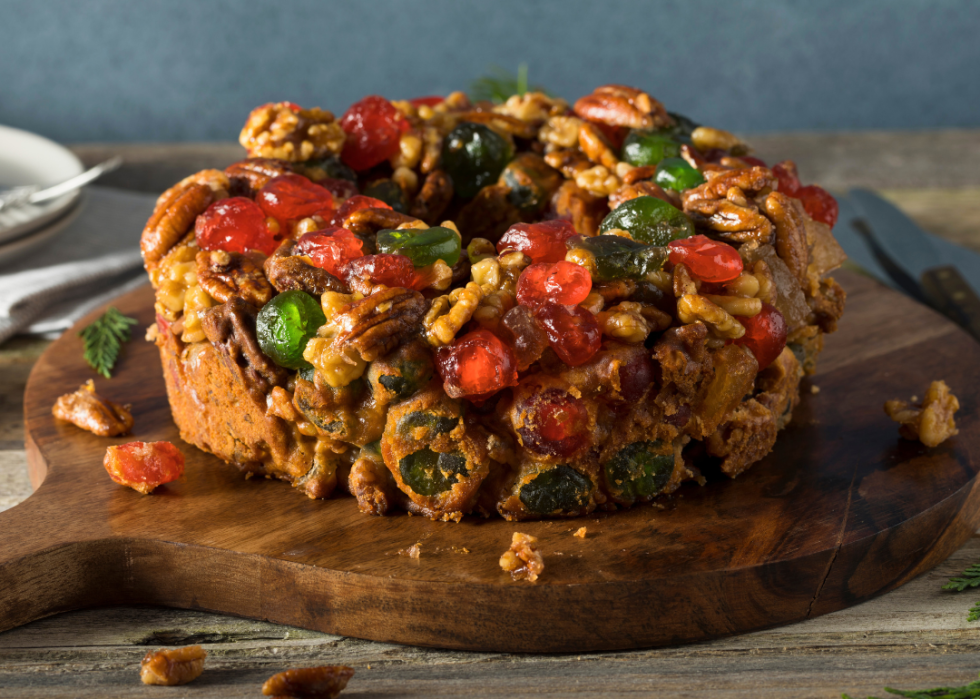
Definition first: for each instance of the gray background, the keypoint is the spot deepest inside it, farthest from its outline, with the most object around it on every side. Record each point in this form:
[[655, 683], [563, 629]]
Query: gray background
[[160, 70]]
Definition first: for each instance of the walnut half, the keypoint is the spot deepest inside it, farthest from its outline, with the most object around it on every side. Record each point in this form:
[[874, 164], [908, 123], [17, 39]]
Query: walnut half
[[932, 422]]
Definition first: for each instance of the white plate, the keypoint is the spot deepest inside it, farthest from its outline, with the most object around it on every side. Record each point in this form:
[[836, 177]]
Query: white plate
[[27, 158], [13, 250]]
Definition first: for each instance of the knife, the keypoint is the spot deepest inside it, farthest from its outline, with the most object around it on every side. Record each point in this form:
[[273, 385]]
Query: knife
[[927, 268]]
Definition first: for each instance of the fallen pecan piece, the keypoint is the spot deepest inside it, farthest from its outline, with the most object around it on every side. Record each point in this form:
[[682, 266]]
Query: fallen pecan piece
[[226, 274], [324, 682], [932, 422], [377, 324], [87, 409], [249, 176], [286, 271], [177, 209], [523, 560], [173, 667], [434, 197]]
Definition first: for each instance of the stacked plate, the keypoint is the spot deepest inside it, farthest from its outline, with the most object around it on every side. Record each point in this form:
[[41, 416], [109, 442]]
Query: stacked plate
[[27, 159]]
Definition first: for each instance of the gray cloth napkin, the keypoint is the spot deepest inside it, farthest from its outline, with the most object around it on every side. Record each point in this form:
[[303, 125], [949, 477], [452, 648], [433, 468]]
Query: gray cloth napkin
[[94, 259]]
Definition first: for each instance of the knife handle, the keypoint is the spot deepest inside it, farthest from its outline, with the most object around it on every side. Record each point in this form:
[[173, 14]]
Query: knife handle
[[949, 293]]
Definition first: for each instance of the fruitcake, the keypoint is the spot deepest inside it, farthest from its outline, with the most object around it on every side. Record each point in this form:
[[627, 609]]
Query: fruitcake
[[521, 309]]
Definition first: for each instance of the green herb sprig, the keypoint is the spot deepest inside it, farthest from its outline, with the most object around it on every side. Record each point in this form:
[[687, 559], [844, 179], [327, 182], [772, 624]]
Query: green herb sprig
[[103, 340], [502, 84], [967, 691], [969, 578]]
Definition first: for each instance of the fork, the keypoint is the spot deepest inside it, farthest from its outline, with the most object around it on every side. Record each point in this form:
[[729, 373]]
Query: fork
[[33, 194]]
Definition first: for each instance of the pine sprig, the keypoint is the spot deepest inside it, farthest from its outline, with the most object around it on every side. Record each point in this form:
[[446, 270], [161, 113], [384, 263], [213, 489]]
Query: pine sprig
[[103, 340], [974, 614], [970, 578], [968, 691], [501, 84]]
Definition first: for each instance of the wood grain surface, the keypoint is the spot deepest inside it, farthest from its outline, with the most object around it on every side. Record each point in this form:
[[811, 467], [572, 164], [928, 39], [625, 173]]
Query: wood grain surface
[[840, 511]]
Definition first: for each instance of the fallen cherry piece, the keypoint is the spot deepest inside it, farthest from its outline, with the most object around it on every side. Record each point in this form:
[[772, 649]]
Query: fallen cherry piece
[[144, 465]]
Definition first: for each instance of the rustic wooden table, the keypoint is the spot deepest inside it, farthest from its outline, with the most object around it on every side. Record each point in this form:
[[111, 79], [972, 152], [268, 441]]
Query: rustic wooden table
[[914, 637]]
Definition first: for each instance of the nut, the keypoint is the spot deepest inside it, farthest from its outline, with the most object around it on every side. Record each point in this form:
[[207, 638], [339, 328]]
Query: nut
[[450, 313], [624, 322], [619, 105], [177, 209], [791, 243], [596, 147], [532, 107], [932, 422], [598, 181], [223, 275], [280, 131], [375, 325], [324, 682], [173, 667], [560, 132], [88, 410], [522, 560], [692, 308], [737, 305], [705, 138]]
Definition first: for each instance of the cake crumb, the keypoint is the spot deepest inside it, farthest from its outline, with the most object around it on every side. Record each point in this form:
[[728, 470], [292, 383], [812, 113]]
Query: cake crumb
[[580, 532], [931, 422], [814, 389], [522, 560], [413, 551]]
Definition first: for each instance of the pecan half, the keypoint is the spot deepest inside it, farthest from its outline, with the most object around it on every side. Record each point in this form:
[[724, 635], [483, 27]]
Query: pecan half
[[177, 209], [568, 161], [595, 146], [87, 409], [644, 188], [286, 271], [231, 328], [377, 324], [502, 122], [620, 105], [791, 243], [281, 131], [249, 176], [226, 274], [434, 197], [173, 667], [731, 221], [367, 222], [751, 180], [309, 682]]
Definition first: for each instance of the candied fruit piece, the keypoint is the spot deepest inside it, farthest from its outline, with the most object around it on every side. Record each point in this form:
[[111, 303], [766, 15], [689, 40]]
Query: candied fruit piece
[[428, 101], [474, 155], [753, 161], [707, 260], [572, 331], [542, 242], [422, 247], [286, 324], [554, 423], [236, 224], [819, 204], [293, 197], [390, 270], [356, 203], [373, 127], [635, 376], [331, 249], [560, 282], [765, 335], [524, 333], [789, 181], [144, 465], [649, 220], [476, 366], [342, 190]]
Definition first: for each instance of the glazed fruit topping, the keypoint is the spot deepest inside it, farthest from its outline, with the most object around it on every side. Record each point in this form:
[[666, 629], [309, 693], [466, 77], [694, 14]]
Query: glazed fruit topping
[[234, 225], [286, 324], [390, 270], [422, 247], [373, 127], [331, 249], [542, 242], [429, 101], [474, 155], [356, 203], [765, 335], [819, 204], [144, 465], [677, 174], [555, 423], [649, 220], [573, 332], [559, 282], [476, 366], [293, 197], [706, 259]]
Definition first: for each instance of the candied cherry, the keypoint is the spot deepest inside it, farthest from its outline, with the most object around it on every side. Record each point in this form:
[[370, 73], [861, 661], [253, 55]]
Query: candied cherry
[[422, 247], [292, 197], [331, 249], [555, 423], [677, 174], [617, 257], [635, 376], [818, 204], [286, 324], [708, 260], [556, 282], [476, 366], [356, 203], [789, 181], [144, 465], [753, 161], [429, 101], [236, 224], [649, 147], [542, 242], [474, 155], [649, 220], [373, 127], [765, 334], [341, 189], [525, 335], [573, 332], [390, 270]]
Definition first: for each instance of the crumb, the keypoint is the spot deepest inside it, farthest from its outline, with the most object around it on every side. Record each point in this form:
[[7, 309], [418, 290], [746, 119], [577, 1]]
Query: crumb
[[931, 422], [814, 389], [413, 551], [459, 549], [580, 532], [152, 333], [522, 560]]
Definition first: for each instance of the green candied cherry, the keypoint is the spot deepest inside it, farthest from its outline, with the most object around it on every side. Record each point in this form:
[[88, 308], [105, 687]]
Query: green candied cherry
[[430, 473], [390, 193], [557, 490], [682, 127], [532, 182], [649, 147], [620, 258], [649, 220], [474, 155], [638, 471], [677, 174], [435, 424], [422, 247], [286, 324]]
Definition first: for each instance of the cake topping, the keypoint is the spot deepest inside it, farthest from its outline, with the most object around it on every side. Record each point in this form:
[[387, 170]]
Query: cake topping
[[144, 465]]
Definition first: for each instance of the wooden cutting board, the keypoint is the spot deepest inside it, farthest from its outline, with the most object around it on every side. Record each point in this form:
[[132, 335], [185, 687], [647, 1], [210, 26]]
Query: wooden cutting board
[[840, 511]]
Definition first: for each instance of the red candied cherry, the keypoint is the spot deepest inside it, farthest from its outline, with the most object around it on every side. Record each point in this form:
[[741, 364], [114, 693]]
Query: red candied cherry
[[144, 465], [572, 331], [293, 197], [331, 249], [555, 423], [236, 224], [429, 101], [789, 181], [708, 260], [342, 190], [542, 242], [373, 127], [476, 366], [818, 203], [753, 161], [390, 270], [356, 203], [765, 334], [559, 282], [634, 377]]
